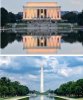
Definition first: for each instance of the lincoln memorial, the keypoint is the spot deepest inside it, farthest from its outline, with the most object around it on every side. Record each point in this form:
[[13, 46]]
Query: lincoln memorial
[[41, 10]]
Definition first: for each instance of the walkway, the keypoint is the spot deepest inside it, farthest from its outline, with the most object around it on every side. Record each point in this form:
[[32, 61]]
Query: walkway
[[66, 98], [17, 98]]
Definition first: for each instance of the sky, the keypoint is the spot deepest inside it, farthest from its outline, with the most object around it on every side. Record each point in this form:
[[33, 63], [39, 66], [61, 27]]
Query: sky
[[26, 70], [17, 5]]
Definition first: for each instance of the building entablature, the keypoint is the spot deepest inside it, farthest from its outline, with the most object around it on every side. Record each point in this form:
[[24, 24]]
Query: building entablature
[[39, 7]]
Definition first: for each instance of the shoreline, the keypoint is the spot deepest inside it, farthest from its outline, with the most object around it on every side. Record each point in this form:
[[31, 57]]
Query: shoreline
[[67, 98]]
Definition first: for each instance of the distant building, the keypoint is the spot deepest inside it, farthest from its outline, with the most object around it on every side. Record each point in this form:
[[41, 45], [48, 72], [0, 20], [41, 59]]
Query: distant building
[[41, 10], [19, 16], [20, 13]]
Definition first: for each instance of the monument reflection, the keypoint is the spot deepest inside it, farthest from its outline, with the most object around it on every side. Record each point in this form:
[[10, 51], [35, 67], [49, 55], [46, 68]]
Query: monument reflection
[[42, 44], [41, 97]]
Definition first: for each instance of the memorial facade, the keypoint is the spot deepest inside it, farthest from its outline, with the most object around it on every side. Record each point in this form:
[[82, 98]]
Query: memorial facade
[[41, 10]]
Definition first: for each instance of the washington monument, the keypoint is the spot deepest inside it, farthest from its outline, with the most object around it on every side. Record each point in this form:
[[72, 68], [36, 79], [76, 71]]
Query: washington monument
[[42, 80]]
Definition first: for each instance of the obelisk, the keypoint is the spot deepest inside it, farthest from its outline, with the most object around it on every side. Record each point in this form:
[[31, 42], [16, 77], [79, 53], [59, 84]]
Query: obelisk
[[42, 80]]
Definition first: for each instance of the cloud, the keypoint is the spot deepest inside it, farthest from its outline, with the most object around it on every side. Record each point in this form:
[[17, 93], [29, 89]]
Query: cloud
[[80, 59], [5, 60], [68, 72], [42, 61], [63, 69], [25, 79], [64, 72], [9, 62]]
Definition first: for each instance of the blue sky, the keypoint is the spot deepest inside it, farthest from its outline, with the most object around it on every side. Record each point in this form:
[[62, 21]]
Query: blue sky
[[17, 5], [57, 70]]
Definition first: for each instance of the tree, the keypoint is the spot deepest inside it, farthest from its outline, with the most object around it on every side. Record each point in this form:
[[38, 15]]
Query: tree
[[77, 91], [80, 84], [71, 89], [4, 16], [80, 18], [70, 16], [8, 88], [12, 91], [12, 17], [0, 90], [4, 91]]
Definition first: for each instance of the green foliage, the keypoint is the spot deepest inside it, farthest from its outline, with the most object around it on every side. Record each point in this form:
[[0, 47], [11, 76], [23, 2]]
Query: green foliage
[[8, 88], [12, 17], [71, 89]]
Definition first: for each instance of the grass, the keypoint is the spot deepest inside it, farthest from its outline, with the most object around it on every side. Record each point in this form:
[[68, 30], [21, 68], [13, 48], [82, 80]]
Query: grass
[[14, 98], [79, 99], [57, 98], [17, 98], [1, 99]]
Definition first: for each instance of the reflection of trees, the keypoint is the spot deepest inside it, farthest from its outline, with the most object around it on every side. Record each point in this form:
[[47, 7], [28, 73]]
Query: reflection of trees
[[18, 37], [4, 40], [7, 38], [73, 37]]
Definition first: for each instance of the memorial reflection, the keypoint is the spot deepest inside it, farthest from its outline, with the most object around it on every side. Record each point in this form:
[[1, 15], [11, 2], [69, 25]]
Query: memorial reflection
[[42, 44]]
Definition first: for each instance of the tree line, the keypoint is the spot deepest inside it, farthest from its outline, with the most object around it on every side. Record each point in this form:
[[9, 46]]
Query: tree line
[[71, 89], [9, 88], [72, 17], [9, 17]]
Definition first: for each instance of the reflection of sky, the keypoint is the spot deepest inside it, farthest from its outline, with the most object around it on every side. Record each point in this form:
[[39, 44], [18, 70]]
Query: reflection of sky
[[68, 48], [57, 70], [14, 48], [41, 97], [16, 5]]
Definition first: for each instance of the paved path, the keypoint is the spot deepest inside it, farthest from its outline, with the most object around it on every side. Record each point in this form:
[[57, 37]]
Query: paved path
[[66, 98], [17, 98]]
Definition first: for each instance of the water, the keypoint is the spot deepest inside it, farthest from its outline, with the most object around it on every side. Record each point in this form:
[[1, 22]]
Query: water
[[42, 98], [41, 42]]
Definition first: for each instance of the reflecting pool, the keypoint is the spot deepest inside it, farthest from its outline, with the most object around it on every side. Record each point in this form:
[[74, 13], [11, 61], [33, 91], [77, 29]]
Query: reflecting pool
[[41, 42], [42, 98]]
